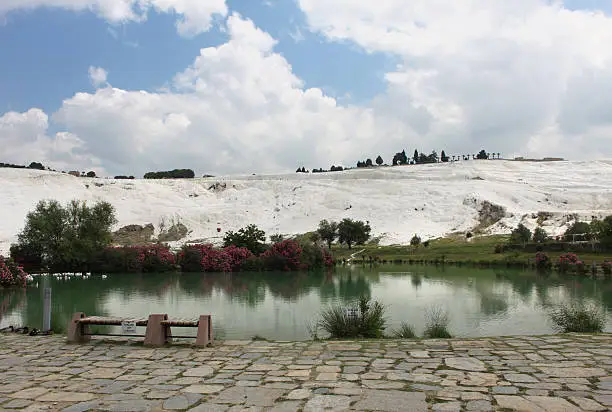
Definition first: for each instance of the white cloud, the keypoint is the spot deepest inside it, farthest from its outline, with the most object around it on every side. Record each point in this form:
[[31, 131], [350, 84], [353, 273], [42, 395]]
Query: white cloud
[[524, 77], [195, 16], [487, 72], [98, 76], [238, 107], [24, 139]]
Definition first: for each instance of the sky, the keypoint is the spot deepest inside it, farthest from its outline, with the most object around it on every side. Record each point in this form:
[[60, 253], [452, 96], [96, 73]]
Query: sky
[[266, 86]]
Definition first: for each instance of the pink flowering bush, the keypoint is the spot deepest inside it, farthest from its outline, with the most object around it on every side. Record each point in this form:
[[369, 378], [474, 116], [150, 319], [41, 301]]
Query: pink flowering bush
[[285, 255], [328, 259], [229, 259], [607, 267], [12, 275], [543, 262], [569, 262], [190, 257]]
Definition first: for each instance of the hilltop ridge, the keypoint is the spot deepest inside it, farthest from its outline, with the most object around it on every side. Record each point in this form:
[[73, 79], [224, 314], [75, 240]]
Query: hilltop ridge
[[431, 200]]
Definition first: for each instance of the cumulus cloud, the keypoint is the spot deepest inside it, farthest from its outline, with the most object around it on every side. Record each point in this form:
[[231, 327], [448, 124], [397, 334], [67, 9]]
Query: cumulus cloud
[[24, 138], [97, 76], [519, 76], [238, 107], [195, 16], [522, 78]]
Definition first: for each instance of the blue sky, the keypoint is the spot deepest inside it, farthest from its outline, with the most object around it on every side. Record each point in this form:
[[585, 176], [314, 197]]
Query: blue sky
[[46, 54], [376, 77]]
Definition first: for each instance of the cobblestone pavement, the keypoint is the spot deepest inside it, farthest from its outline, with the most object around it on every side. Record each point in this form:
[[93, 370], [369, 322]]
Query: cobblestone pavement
[[546, 373]]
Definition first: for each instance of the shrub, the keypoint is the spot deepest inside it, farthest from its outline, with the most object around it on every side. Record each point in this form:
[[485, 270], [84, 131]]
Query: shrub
[[190, 257], [405, 331], [250, 237], [436, 326], [578, 317], [569, 262], [543, 262], [285, 255], [521, 234], [606, 266], [498, 248], [276, 238], [171, 174], [134, 259], [540, 235], [365, 319], [229, 259], [11, 274], [578, 230]]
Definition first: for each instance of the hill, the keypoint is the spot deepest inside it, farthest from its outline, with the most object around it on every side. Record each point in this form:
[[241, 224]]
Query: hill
[[430, 200]]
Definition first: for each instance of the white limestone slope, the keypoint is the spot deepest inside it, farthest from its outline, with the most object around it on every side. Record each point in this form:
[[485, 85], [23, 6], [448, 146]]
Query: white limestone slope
[[429, 200]]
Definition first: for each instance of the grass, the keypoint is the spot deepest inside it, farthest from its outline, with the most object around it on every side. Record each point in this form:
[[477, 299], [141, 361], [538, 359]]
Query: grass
[[452, 249], [578, 317], [405, 331], [436, 326], [365, 319]]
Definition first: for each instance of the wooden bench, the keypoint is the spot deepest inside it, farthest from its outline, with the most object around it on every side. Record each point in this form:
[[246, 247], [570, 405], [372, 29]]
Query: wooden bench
[[158, 332]]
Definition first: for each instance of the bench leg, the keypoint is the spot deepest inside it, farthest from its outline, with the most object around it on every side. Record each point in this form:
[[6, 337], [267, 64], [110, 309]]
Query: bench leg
[[157, 334], [76, 330], [205, 335]]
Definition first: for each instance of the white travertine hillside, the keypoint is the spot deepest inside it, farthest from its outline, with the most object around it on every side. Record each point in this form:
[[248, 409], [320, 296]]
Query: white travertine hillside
[[430, 200]]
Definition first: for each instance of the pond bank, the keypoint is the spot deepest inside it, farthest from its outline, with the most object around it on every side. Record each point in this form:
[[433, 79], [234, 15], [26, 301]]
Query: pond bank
[[536, 373]]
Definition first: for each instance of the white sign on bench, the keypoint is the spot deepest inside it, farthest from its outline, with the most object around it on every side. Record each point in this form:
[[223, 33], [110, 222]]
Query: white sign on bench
[[128, 326]]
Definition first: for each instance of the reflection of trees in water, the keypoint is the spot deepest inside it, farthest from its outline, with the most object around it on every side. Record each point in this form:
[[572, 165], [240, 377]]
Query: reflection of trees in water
[[541, 287], [493, 287], [250, 288], [493, 304], [346, 287], [11, 301]]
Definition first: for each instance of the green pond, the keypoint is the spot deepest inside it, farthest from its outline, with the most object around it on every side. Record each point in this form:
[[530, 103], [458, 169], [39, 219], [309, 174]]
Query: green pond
[[480, 302]]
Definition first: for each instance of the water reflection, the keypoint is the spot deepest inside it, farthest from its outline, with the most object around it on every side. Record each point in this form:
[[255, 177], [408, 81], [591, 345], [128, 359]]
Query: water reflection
[[278, 305]]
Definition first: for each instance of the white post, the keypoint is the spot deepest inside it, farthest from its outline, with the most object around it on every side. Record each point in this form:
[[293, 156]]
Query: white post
[[47, 310]]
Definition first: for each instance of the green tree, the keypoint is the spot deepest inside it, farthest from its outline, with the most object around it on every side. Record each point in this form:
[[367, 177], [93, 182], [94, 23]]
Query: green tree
[[36, 165], [368, 163], [443, 157], [400, 158], [277, 238], [328, 232], [521, 234], [250, 237], [66, 238], [415, 156], [379, 160], [353, 232], [482, 155], [578, 228], [540, 235], [91, 173], [415, 241], [605, 233], [171, 174]]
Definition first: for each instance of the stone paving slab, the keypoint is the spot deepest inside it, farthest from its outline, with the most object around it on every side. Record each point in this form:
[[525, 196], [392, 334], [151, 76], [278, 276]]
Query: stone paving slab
[[562, 373]]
